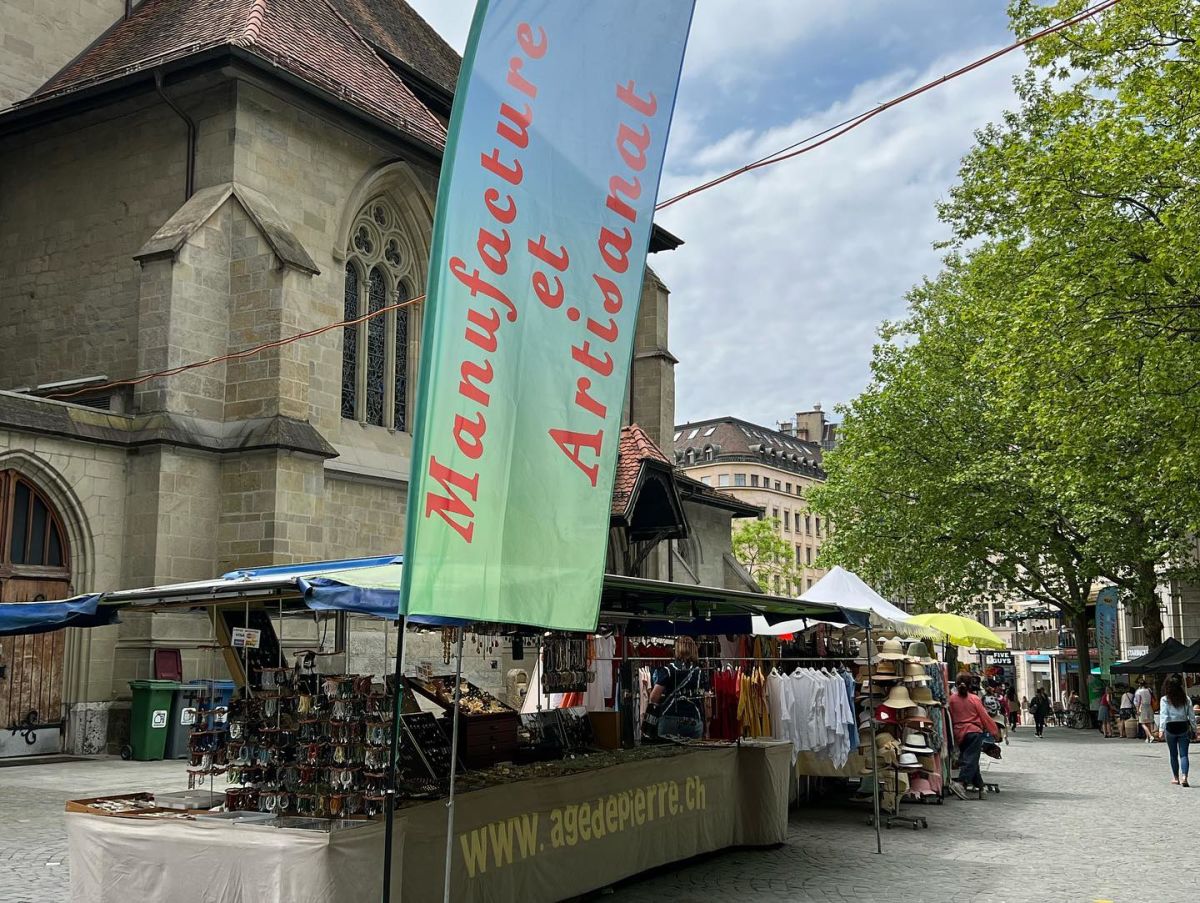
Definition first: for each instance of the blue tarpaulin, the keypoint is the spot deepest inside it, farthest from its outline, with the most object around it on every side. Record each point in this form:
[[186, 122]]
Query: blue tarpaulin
[[42, 617]]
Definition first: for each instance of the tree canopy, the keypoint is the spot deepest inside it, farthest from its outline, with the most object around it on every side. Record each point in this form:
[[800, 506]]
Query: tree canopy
[[1032, 424]]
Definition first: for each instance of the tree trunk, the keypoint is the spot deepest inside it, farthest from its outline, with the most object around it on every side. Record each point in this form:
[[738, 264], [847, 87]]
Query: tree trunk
[[1145, 604], [1079, 622]]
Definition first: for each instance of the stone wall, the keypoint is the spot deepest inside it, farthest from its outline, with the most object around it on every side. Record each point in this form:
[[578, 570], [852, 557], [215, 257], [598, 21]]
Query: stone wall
[[37, 39], [363, 518], [77, 200]]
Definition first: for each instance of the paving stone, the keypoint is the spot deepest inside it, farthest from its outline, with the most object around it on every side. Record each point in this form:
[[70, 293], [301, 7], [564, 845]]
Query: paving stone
[[1046, 838]]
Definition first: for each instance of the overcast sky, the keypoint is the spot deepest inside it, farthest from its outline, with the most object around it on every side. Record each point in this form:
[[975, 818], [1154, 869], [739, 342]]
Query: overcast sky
[[787, 272]]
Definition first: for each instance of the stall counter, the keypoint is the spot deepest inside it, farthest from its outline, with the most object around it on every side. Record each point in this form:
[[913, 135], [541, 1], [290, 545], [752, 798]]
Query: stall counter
[[536, 840]]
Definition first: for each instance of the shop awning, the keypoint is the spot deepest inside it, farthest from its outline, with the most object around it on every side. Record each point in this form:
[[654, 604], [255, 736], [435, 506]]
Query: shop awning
[[371, 586], [41, 617]]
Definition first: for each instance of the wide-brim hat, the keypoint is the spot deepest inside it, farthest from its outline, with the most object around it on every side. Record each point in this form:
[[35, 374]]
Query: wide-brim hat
[[898, 698], [922, 695], [919, 718], [916, 742], [886, 666], [887, 714], [891, 650], [908, 760], [919, 652], [919, 785], [927, 761], [914, 672]]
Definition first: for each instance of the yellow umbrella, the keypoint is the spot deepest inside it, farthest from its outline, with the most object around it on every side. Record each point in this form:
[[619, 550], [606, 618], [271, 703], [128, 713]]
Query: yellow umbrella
[[960, 631]]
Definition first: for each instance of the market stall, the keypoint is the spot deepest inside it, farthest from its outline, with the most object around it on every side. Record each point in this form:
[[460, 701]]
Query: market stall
[[289, 779], [542, 838]]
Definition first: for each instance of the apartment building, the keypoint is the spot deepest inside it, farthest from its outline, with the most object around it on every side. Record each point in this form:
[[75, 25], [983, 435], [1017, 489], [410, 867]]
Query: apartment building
[[773, 469]]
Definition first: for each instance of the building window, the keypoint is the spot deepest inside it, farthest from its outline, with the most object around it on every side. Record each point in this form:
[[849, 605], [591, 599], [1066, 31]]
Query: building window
[[818, 524], [787, 521], [709, 454], [799, 554], [35, 534], [375, 353], [753, 479], [707, 481], [787, 487], [808, 554], [775, 513], [723, 480], [777, 486], [739, 479], [807, 525]]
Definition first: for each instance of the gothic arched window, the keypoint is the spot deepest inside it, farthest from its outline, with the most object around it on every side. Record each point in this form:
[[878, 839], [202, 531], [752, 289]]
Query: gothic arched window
[[375, 353]]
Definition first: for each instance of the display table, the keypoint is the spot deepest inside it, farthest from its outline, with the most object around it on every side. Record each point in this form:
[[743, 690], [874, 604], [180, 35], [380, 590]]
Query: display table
[[535, 840]]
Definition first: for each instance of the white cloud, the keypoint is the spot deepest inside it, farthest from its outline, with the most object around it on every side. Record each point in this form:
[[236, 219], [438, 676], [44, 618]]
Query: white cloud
[[734, 41], [449, 18], [787, 272]]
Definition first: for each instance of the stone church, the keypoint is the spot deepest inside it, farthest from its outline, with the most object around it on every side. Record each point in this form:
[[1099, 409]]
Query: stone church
[[185, 179]]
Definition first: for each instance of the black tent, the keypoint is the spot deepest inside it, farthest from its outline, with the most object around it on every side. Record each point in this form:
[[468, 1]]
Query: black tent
[[1186, 659], [1147, 663]]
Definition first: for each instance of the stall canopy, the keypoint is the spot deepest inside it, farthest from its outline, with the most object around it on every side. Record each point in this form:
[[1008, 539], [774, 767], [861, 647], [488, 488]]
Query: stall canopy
[[849, 593], [1183, 658], [961, 631], [1147, 663], [371, 586], [40, 617]]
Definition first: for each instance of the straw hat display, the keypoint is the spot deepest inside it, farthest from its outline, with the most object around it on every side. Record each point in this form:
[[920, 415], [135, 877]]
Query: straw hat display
[[922, 695], [919, 717], [918, 785], [914, 673], [909, 760], [891, 650], [919, 652], [915, 742], [898, 698], [887, 714]]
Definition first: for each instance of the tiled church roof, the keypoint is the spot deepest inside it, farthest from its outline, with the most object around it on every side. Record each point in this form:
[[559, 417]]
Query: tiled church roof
[[635, 447], [313, 40]]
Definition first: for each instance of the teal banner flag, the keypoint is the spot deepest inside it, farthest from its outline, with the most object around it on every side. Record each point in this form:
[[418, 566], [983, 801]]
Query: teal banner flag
[[543, 219], [1106, 629]]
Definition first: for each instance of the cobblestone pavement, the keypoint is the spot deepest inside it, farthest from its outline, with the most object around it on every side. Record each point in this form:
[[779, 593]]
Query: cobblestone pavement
[[1049, 836], [33, 839], [1066, 804]]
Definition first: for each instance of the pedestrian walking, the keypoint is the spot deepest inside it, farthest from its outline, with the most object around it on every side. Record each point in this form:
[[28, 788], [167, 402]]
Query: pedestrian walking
[[1039, 708], [1014, 708], [1143, 701], [971, 723], [1102, 714], [1177, 723]]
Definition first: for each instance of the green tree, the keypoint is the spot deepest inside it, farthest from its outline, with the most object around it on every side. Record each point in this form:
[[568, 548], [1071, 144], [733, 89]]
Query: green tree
[[1081, 212], [932, 497], [766, 555]]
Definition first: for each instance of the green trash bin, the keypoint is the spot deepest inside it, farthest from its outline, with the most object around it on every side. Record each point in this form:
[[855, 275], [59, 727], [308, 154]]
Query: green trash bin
[[149, 717]]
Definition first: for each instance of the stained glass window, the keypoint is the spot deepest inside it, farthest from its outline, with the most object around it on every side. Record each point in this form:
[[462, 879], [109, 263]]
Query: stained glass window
[[350, 345], [376, 347], [400, 400], [375, 353]]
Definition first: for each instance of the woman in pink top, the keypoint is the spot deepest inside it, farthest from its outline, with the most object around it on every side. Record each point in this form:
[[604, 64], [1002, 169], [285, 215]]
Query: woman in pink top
[[971, 721]]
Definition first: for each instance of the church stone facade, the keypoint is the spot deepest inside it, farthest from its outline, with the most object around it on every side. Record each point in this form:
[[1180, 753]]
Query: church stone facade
[[181, 180]]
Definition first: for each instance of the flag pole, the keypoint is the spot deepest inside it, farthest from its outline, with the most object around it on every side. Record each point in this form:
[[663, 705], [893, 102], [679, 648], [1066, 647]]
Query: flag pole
[[453, 770], [874, 745], [390, 797]]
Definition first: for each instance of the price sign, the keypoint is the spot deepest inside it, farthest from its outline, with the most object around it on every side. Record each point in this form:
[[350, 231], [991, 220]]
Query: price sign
[[246, 638]]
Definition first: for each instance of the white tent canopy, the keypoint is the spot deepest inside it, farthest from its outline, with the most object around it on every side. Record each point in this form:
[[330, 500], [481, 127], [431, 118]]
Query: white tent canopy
[[846, 589]]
